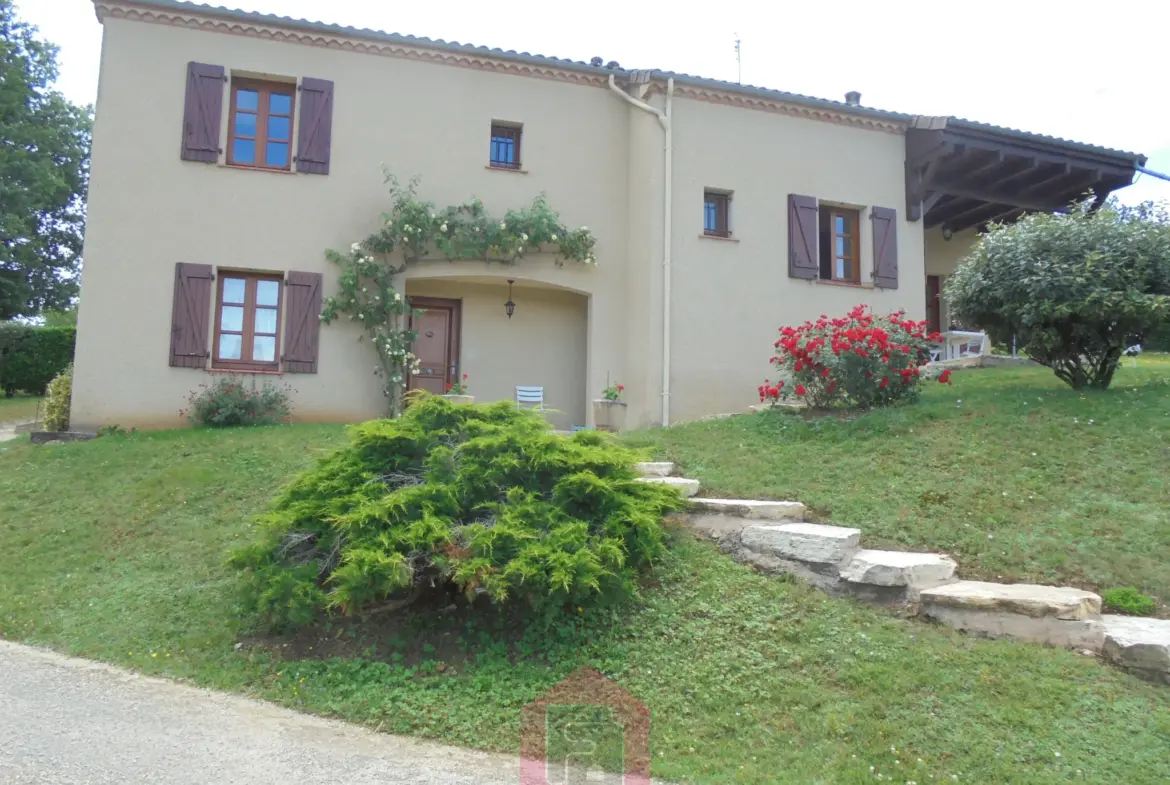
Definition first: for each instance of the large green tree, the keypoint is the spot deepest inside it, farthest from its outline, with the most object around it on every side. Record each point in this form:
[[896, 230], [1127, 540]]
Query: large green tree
[[44, 171]]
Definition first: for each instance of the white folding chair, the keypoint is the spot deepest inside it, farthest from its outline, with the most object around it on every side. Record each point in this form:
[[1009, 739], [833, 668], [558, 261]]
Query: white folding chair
[[530, 396]]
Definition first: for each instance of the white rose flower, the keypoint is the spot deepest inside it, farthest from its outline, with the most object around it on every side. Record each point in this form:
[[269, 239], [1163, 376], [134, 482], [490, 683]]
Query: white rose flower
[[584, 228], [397, 297], [554, 238], [361, 316], [503, 225], [443, 228], [355, 247], [524, 237], [406, 228], [364, 289], [521, 249]]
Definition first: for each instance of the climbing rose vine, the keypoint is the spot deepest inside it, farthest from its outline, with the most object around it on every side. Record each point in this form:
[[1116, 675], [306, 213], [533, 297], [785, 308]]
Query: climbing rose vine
[[419, 231], [858, 360]]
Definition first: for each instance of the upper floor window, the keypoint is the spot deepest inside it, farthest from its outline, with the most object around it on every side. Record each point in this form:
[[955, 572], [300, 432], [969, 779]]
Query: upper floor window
[[260, 132], [247, 321], [840, 239], [716, 206], [505, 146]]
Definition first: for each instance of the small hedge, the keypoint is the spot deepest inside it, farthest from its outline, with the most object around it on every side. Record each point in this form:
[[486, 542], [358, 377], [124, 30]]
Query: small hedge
[[1128, 600], [58, 398], [485, 499], [31, 357]]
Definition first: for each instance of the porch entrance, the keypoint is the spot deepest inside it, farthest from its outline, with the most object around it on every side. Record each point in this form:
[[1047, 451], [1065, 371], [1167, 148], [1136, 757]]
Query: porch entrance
[[933, 303], [437, 345]]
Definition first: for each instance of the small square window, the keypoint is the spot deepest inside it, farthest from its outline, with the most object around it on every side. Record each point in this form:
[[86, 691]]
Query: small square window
[[260, 126], [716, 206], [840, 240], [505, 146]]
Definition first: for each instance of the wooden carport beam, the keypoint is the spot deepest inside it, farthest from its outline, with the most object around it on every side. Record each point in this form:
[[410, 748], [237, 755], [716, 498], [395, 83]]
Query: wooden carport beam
[[998, 197]]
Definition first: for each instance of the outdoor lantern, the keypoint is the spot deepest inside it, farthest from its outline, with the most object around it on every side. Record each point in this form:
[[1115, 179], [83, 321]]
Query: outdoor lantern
[[510, 306]]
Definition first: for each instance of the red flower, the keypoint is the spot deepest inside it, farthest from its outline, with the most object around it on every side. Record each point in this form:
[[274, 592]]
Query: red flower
[[799, 365], [449, 386], [800, 389], [620, 386], [464, 377], [825, 372], [832, 385], [945, 378], [884, 383]]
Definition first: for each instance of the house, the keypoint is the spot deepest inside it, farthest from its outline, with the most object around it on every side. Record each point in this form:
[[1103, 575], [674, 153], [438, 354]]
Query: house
[[232, 149]]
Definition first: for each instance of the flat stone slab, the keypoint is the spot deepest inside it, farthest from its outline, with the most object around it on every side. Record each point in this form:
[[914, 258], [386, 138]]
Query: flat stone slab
[[806, 542], [1072, 633], [1058, 602], [654, 468], [758, 510], [899, 568], [1139, 643], [681, 484]]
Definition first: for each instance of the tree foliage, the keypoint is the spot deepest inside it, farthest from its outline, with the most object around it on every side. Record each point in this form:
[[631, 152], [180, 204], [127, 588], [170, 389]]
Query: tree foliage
[[44, 172], [1072, 289], [31, 356], [483, 498], [415, 231]]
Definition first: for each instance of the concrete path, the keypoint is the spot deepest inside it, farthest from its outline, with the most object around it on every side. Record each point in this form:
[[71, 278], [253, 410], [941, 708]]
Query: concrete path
[[65, 721]]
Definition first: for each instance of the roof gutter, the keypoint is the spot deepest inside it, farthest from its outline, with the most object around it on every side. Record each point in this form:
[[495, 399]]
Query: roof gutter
[[664, 119]]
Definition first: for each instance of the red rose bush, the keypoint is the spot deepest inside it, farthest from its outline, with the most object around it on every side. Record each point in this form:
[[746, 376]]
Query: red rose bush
[[859, 360]]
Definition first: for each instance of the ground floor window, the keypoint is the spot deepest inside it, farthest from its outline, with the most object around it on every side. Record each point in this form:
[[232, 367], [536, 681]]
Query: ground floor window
[[840, 237], [247, 321]]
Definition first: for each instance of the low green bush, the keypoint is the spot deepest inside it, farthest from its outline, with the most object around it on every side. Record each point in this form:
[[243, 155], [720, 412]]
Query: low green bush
[[31, 356], [230, 401], [58, 398], [1129, 601], [482, 498]]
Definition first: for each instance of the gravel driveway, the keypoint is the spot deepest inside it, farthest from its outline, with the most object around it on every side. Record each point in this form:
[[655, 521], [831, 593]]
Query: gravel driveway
[[65, 721]]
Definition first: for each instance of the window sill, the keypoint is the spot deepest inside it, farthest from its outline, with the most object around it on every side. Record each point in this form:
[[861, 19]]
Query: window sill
[[246, 371], [240, 168], [505, 169], [727, 239], [849, 284]]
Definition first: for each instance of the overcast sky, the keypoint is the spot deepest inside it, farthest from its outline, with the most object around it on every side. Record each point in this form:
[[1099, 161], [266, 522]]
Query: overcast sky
[[1095, 75]]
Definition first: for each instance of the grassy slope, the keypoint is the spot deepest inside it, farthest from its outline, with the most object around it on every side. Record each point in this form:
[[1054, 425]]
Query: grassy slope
[[114, 550], [1025, 479], [18, 408]]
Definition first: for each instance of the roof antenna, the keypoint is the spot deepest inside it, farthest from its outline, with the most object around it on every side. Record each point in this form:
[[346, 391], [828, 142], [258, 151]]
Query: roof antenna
[[738, 61]]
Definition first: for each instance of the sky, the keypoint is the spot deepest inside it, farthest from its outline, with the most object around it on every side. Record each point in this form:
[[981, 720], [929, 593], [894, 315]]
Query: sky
[[1096, 75]]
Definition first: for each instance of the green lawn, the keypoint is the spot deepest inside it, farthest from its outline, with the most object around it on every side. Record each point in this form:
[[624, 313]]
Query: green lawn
[[115, 550], [1014, 474], [19, 408]]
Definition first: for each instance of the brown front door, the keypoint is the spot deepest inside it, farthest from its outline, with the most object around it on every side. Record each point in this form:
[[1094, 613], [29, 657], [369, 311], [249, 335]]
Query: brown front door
[[933, 305], [437, 345]]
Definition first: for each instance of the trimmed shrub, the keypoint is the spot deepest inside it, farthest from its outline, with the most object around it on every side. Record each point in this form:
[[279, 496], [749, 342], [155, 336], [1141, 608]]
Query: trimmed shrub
[[857, 360], [58, 398], [1070, 288], [230, 401], [31, 356], [1129, 601], [484, 499]]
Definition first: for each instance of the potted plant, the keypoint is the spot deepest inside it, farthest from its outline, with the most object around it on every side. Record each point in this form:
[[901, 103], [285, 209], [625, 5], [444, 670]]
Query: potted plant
[[457, 392], [609, 411]]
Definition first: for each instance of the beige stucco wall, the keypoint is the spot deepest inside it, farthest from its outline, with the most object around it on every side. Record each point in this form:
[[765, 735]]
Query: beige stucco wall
[[149, 210], [598, 160], [943, 256], [542, 345], [730, 297]]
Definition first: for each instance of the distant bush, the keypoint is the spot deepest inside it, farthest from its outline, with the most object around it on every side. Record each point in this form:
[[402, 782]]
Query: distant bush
[[1129, 601], [230, 401], [58, 399], [857, 360], [31, 356], [484, 499], [1070, 289]]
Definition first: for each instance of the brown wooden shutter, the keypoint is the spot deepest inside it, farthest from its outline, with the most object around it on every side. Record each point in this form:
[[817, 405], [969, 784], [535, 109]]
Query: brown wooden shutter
[[316, 132], [802, 237], [202, 110], [302, 321], [190, 315], [885, 247]]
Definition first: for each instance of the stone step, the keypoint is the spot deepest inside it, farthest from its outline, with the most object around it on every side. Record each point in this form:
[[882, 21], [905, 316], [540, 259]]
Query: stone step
[[756, 510], [681, 484], [915, 571], [1055, 615], [654, 468], [1142, 645], [810, 542]]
